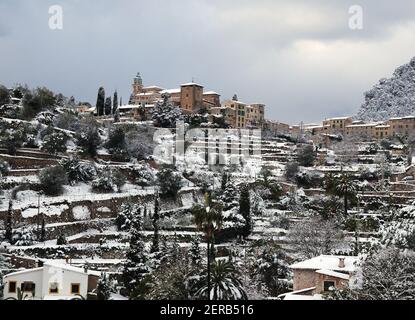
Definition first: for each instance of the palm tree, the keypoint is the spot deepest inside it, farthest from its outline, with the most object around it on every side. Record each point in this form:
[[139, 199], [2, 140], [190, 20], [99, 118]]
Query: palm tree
[[225, 284], [345, 187], [20, 295], [208, 219]]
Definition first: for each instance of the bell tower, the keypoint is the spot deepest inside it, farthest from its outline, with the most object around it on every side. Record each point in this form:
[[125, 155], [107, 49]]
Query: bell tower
[[137, 84]]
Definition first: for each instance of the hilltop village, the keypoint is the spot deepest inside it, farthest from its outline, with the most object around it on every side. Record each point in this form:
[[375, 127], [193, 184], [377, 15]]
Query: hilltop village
[[260, 209]]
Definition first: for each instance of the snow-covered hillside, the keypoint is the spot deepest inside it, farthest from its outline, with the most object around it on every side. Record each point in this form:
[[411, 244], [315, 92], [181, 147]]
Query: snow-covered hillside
[[394, 97]]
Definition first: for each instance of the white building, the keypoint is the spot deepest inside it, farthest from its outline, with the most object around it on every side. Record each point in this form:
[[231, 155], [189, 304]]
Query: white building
[[52, 281]]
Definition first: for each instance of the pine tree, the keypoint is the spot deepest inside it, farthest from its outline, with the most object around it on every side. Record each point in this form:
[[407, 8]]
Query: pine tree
[[103, 288], [115, 102], [9, 223], [108, 106], [156, 217], [235, 97], [136, 266], [61, 241], [101, 101], [195, 251], [245, 211], [117, 116], [225, 179]]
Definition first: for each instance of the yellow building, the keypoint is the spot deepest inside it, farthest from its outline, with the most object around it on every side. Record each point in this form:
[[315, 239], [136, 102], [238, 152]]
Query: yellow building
[[336, 125], [237, 111], [255, 114], [402, 126]]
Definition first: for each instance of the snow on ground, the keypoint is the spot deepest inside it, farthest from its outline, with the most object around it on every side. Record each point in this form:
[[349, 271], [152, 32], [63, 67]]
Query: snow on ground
[[52, 210], [29, 199], [81, 213]]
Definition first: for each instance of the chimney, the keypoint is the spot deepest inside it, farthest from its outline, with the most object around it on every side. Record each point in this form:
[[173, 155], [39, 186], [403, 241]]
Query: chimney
[[342, 263]]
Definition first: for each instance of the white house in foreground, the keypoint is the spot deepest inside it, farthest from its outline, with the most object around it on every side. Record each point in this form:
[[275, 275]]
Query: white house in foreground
[[52, 281], [316, 276]]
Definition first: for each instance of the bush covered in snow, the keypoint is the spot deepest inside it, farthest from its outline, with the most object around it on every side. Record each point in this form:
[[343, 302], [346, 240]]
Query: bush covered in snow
[[52, 180], [88, 138], [143, 175], [11, 139], [108, 181], [46, 117], [126, 215], [55, 142], [4, 95], [35, 101], [400, 231], [23, 237], [169, 181], [4, 167], [78, 171], [165, 114]]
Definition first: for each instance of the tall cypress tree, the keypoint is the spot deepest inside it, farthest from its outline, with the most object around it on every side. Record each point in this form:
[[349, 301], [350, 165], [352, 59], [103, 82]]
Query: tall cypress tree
[[101, 101], [115, 102], [245, 211], [9, 223], [156, 217], [117, 116], [108, 106]]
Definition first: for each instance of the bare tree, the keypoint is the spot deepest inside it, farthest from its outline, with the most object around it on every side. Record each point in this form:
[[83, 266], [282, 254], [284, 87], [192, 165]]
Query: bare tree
[[385, 275], [313, 237]]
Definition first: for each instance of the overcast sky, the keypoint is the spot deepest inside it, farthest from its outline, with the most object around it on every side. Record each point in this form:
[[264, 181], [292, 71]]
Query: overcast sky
[[299, 57]]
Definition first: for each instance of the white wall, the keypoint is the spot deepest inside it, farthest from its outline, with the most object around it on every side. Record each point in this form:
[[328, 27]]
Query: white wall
[[32, 276], [43, 277], [65, 278]]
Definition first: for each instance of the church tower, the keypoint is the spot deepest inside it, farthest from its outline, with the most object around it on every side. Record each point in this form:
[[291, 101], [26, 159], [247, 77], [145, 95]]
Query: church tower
[[138, 84]]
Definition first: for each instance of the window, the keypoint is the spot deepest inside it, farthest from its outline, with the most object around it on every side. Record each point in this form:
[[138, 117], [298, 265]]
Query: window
[[28, 287], [75, 288], [53, 288], [12, 287], [328, 285]]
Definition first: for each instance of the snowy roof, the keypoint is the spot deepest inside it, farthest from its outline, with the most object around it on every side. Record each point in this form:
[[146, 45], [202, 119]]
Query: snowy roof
[[23, 272], [401, 118], [234, 102], [60, 265], [327, 263], [211, 93], [363, 125], [338, 118], [296, 297], [128, 106], [191, 84], [172, 91], [153, 87], [334, 274], [145, 94]]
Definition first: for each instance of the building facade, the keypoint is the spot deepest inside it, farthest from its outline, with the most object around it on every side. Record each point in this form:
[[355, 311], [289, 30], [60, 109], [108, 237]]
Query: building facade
[[52, 281]]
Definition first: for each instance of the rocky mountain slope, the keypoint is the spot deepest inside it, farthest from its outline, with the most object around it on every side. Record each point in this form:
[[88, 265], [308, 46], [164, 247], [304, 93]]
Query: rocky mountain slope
[[394, 97]]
